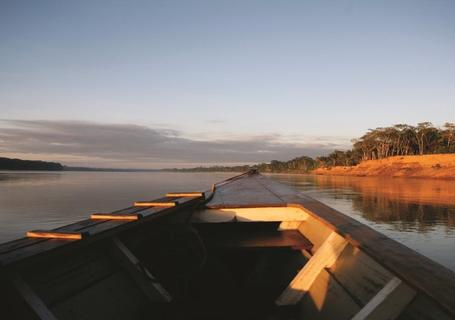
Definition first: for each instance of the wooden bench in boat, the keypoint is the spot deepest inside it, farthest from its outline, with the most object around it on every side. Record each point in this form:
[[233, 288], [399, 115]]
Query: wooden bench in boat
[[105, 267], [256, 240]]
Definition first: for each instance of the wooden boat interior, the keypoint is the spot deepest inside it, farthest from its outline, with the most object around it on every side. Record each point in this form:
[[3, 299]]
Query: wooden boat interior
[[249, 248]]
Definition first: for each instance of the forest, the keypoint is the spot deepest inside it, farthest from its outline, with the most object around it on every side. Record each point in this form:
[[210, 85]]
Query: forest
[[379, 143], [397, 140], [18, 164]]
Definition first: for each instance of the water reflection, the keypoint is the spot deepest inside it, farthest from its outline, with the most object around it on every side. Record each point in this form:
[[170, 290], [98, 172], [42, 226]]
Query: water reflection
[[28, 176], [43, 200], [419, 213]]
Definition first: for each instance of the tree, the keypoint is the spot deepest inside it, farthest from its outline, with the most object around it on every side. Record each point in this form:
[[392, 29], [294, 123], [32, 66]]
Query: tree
[[420, 133], [449, 133]]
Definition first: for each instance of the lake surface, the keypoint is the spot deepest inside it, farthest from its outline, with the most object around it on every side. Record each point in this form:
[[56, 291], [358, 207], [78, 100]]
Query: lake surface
[[418, 213]]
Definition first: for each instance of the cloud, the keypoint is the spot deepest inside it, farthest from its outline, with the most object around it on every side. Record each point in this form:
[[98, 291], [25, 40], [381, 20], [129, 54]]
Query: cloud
[[129, 145], [215, 121]]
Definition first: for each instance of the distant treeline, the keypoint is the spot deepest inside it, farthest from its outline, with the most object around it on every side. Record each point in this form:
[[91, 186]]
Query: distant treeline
[[379, 143], [17, 164], [398, 140], [89, 169], [298, 165]]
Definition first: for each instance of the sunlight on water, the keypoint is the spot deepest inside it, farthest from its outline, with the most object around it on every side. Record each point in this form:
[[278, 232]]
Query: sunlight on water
[[416, 212]]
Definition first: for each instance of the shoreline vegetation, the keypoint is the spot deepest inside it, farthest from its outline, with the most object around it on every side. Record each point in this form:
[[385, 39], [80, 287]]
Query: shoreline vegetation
[[398, 151], [401, 150], [18, 164]]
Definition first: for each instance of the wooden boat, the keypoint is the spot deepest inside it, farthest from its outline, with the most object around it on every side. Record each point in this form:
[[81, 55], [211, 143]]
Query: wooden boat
[[250, 248]]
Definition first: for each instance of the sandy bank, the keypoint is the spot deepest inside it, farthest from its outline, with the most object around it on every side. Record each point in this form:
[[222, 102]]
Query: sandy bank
[[439, 166]]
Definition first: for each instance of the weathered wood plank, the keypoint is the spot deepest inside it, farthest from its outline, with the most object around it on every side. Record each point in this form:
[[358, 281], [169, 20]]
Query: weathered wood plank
[[155, 204], [244, 193], [29, 296], [62, 277], [115, 298], [271, 239], [289, 225], [326, 299], [324, 257], [388, 303], [185, 194], [262, 214], [107, 216], [46, 234], [359, 274], [314, 230], [143, 278], [423, 308], [213, 216]]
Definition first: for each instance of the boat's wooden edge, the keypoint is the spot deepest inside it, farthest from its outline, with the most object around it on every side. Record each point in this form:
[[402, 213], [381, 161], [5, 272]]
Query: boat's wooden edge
[[234, 178], [418, 271], [18, 250]]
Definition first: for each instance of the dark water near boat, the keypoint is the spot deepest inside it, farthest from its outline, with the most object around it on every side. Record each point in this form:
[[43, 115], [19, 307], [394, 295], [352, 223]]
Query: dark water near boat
[[417, 213]]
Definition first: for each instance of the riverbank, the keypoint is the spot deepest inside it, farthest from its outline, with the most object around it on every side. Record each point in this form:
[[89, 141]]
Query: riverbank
[[438, 166]]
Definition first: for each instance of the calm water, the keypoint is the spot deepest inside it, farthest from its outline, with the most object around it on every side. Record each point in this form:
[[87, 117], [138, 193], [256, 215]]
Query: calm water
[[417, 213]]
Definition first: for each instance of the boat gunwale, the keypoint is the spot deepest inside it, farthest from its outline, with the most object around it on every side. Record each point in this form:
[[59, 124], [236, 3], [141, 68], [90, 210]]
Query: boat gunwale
[[119, 226]]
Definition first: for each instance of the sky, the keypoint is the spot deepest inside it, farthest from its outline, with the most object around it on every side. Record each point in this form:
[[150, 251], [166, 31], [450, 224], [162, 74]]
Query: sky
[[154, 84]]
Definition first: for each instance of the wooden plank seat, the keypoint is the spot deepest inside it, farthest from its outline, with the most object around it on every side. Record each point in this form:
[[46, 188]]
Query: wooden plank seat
[[255, 240], [185, 194], [155, 204], [49, 234], [110, 216]]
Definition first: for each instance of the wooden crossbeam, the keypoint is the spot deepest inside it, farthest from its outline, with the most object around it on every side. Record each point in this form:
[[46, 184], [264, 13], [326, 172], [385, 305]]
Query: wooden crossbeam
[[256, 240], [57, 234], [155, 204], [324, 257], [185, 194], [110, 216], [35, 303], [143, 278], [388, 303], [265, 214]]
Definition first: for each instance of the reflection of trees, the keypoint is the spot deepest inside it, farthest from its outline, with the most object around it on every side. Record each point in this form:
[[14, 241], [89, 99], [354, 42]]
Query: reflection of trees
[[406, 216], [405, 204], [18, 177]]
